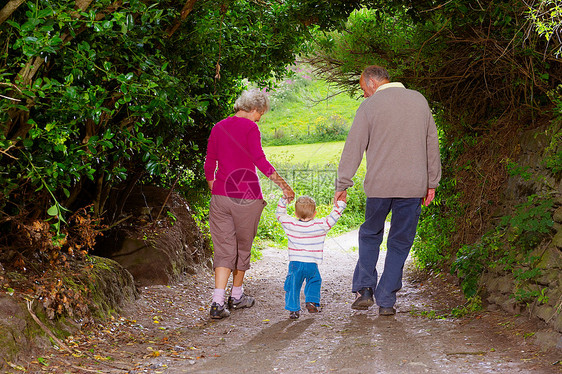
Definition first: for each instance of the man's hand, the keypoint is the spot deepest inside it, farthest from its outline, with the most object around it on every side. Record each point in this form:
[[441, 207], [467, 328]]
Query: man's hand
[[210, 183], [429, 196], [340, 196]]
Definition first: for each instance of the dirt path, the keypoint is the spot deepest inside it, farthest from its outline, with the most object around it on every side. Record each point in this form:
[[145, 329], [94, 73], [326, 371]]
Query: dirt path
[[169, 331]]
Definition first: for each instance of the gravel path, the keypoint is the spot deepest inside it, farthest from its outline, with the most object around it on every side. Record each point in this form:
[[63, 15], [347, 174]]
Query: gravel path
[[168, 330]]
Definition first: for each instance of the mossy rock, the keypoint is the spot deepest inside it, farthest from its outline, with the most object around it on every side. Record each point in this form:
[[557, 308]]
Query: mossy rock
[[22, 338], [111, 287]]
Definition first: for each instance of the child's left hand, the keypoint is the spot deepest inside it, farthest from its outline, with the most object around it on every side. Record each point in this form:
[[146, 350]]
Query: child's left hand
[[340, 196]]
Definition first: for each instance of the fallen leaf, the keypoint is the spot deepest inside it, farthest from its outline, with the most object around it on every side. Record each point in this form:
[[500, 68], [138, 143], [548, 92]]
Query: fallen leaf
[[17, 367]]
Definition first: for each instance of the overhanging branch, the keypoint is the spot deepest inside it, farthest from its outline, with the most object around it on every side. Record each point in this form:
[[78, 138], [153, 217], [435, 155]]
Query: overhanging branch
[[8, 9]]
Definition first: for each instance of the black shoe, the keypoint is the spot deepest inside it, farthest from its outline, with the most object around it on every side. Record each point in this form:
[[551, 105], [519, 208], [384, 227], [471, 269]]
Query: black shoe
[[364, 299], [294, 315], [219, 311], [244, 301], [387, 311], [313, 307]]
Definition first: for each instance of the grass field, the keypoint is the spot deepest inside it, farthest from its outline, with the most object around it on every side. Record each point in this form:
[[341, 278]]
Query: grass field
[[312, 154], [304, 107]]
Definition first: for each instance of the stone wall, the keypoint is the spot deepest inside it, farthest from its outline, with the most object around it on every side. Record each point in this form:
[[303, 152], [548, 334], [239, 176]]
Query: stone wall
[[499, 285]]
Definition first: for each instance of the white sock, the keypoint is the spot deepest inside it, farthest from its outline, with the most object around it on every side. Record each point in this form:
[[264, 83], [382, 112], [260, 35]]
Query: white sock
[[218, 296], [237, 292]]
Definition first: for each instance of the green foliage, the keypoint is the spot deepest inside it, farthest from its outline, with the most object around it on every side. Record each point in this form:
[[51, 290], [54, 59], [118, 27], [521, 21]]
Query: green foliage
[[98, 99], [372, 37], [546, 16], [459, 54], [436, 225], [473, 304], [509, 246], [531, 221], [473, 259]]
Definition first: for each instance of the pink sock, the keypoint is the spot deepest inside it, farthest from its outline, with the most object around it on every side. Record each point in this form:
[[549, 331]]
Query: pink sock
[[218, 296], [237, 292]]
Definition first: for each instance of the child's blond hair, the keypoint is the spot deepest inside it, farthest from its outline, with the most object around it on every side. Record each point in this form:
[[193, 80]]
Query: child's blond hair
[[305, 207]]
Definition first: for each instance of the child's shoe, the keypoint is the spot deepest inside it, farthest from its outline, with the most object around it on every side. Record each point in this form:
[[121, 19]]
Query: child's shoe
[[313, 307], [294, 315]]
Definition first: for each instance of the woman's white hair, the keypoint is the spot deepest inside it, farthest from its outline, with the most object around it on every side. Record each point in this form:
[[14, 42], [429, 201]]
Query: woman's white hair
[[252, 99]]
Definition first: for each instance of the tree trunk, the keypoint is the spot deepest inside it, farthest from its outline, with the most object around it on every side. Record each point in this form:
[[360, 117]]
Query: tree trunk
[[8, 9], [187, 8], [83, 4]]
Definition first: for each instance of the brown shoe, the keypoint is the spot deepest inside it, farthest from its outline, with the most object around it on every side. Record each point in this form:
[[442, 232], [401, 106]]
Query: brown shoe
[[387, 311], [364, 299], [313, 308]]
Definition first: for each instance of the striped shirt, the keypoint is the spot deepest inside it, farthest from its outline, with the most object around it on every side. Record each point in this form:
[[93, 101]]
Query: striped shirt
[[306, 238]]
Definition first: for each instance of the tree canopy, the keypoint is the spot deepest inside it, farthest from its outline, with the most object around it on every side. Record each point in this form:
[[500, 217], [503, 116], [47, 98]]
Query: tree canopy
[[477, 60]]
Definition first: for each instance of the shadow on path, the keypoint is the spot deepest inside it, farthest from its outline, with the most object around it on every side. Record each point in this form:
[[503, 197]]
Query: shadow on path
[[262, 350]]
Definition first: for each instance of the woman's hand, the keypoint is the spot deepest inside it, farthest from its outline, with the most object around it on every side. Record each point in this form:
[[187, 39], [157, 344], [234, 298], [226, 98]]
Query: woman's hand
[[288, 194]]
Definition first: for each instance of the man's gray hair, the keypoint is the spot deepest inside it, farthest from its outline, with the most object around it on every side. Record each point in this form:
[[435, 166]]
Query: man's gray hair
[[252, 99], [376, 72]]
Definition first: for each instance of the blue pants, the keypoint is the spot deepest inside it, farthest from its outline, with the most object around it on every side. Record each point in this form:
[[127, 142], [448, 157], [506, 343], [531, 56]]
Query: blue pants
[[403, 224], [297, 274]]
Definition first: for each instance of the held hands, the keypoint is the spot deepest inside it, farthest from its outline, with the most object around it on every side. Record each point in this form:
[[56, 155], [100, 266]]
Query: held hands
[[288, 194], [340, 196]]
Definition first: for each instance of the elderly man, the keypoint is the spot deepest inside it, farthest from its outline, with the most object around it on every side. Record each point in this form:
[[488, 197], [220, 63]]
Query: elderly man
[[394, 127]]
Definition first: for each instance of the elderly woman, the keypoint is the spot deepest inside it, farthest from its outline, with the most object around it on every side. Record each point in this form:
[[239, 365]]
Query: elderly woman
[[233, 153]]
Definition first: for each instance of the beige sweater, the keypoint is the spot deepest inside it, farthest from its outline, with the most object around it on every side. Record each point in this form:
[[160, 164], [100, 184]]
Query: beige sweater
[[394, 127]]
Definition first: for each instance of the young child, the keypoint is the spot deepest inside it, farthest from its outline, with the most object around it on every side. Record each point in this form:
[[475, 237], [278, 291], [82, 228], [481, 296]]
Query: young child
[[305, 236]]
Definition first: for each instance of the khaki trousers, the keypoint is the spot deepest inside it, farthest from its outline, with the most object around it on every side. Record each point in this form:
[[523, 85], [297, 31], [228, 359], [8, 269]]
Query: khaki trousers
[[233, 224]]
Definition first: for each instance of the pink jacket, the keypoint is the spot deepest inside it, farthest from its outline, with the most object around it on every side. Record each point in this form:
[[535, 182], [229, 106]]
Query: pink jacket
[[233, 152]]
